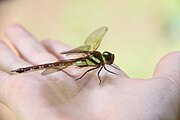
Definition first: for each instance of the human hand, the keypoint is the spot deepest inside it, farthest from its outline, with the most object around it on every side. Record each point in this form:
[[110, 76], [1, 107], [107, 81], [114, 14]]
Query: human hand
[[32, 96]]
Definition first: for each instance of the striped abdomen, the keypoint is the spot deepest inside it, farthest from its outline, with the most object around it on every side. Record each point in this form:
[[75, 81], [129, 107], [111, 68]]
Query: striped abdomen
[[42, 66]]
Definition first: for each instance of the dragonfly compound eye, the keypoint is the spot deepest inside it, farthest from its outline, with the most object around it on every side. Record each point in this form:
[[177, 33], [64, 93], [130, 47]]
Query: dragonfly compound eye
[[108, 57]]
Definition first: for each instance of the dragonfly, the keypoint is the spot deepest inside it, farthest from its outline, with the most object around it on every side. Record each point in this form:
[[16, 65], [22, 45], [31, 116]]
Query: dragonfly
[[90, 58]]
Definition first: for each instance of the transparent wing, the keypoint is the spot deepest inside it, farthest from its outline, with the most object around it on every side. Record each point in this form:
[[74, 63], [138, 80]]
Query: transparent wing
[[91, 43], [53, 69], [95, 38], [80, 49]]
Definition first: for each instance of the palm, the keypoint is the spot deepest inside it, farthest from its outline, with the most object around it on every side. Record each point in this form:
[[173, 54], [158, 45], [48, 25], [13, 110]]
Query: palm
[[83, 98]]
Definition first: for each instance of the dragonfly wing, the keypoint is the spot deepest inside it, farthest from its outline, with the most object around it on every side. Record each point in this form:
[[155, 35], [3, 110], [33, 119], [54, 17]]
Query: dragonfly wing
[[80, 49], [95, 38], [52, 70], [91, 43]]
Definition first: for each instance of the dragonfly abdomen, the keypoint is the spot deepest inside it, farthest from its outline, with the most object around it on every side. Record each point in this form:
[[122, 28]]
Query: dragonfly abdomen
[[36, 67]]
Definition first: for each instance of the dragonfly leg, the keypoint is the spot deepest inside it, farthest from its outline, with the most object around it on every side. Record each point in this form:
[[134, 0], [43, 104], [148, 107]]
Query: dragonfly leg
[[100, 81], [67, 73], [86, 72], [110, 71], [115, 67]]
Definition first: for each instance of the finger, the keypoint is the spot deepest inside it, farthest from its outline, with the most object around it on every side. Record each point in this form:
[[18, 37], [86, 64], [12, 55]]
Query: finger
[[3, 75], [8, 59], [169, 68], [55, 47], [28, 47]]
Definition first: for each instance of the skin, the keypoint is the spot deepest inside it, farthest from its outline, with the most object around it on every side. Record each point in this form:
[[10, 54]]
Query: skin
[[57, 96]]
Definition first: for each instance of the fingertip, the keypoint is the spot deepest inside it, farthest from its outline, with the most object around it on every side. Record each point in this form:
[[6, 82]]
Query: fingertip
[[55, 46], [13, 27], [51, 42], [46, 42], [16, 30]]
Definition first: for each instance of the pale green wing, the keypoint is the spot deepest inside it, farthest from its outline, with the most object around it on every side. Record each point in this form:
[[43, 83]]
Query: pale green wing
[[95, 38], [91, 43], [80, 49], [53, 69]]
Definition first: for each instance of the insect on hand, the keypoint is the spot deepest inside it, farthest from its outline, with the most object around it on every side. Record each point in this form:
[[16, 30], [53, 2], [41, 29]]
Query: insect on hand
[[91, 58]]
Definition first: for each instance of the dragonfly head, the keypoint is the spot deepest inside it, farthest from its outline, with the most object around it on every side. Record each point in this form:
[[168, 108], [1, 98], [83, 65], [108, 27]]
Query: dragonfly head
[[108, 57]]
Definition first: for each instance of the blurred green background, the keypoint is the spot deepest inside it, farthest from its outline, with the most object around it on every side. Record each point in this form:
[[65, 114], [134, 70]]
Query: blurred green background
[[140, 31]]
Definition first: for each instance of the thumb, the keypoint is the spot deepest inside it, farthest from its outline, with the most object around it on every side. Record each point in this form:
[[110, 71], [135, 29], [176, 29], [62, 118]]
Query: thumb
[[169, 68]]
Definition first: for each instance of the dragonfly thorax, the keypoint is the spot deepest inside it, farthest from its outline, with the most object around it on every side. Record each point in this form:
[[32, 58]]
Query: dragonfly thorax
[[108, 57]]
